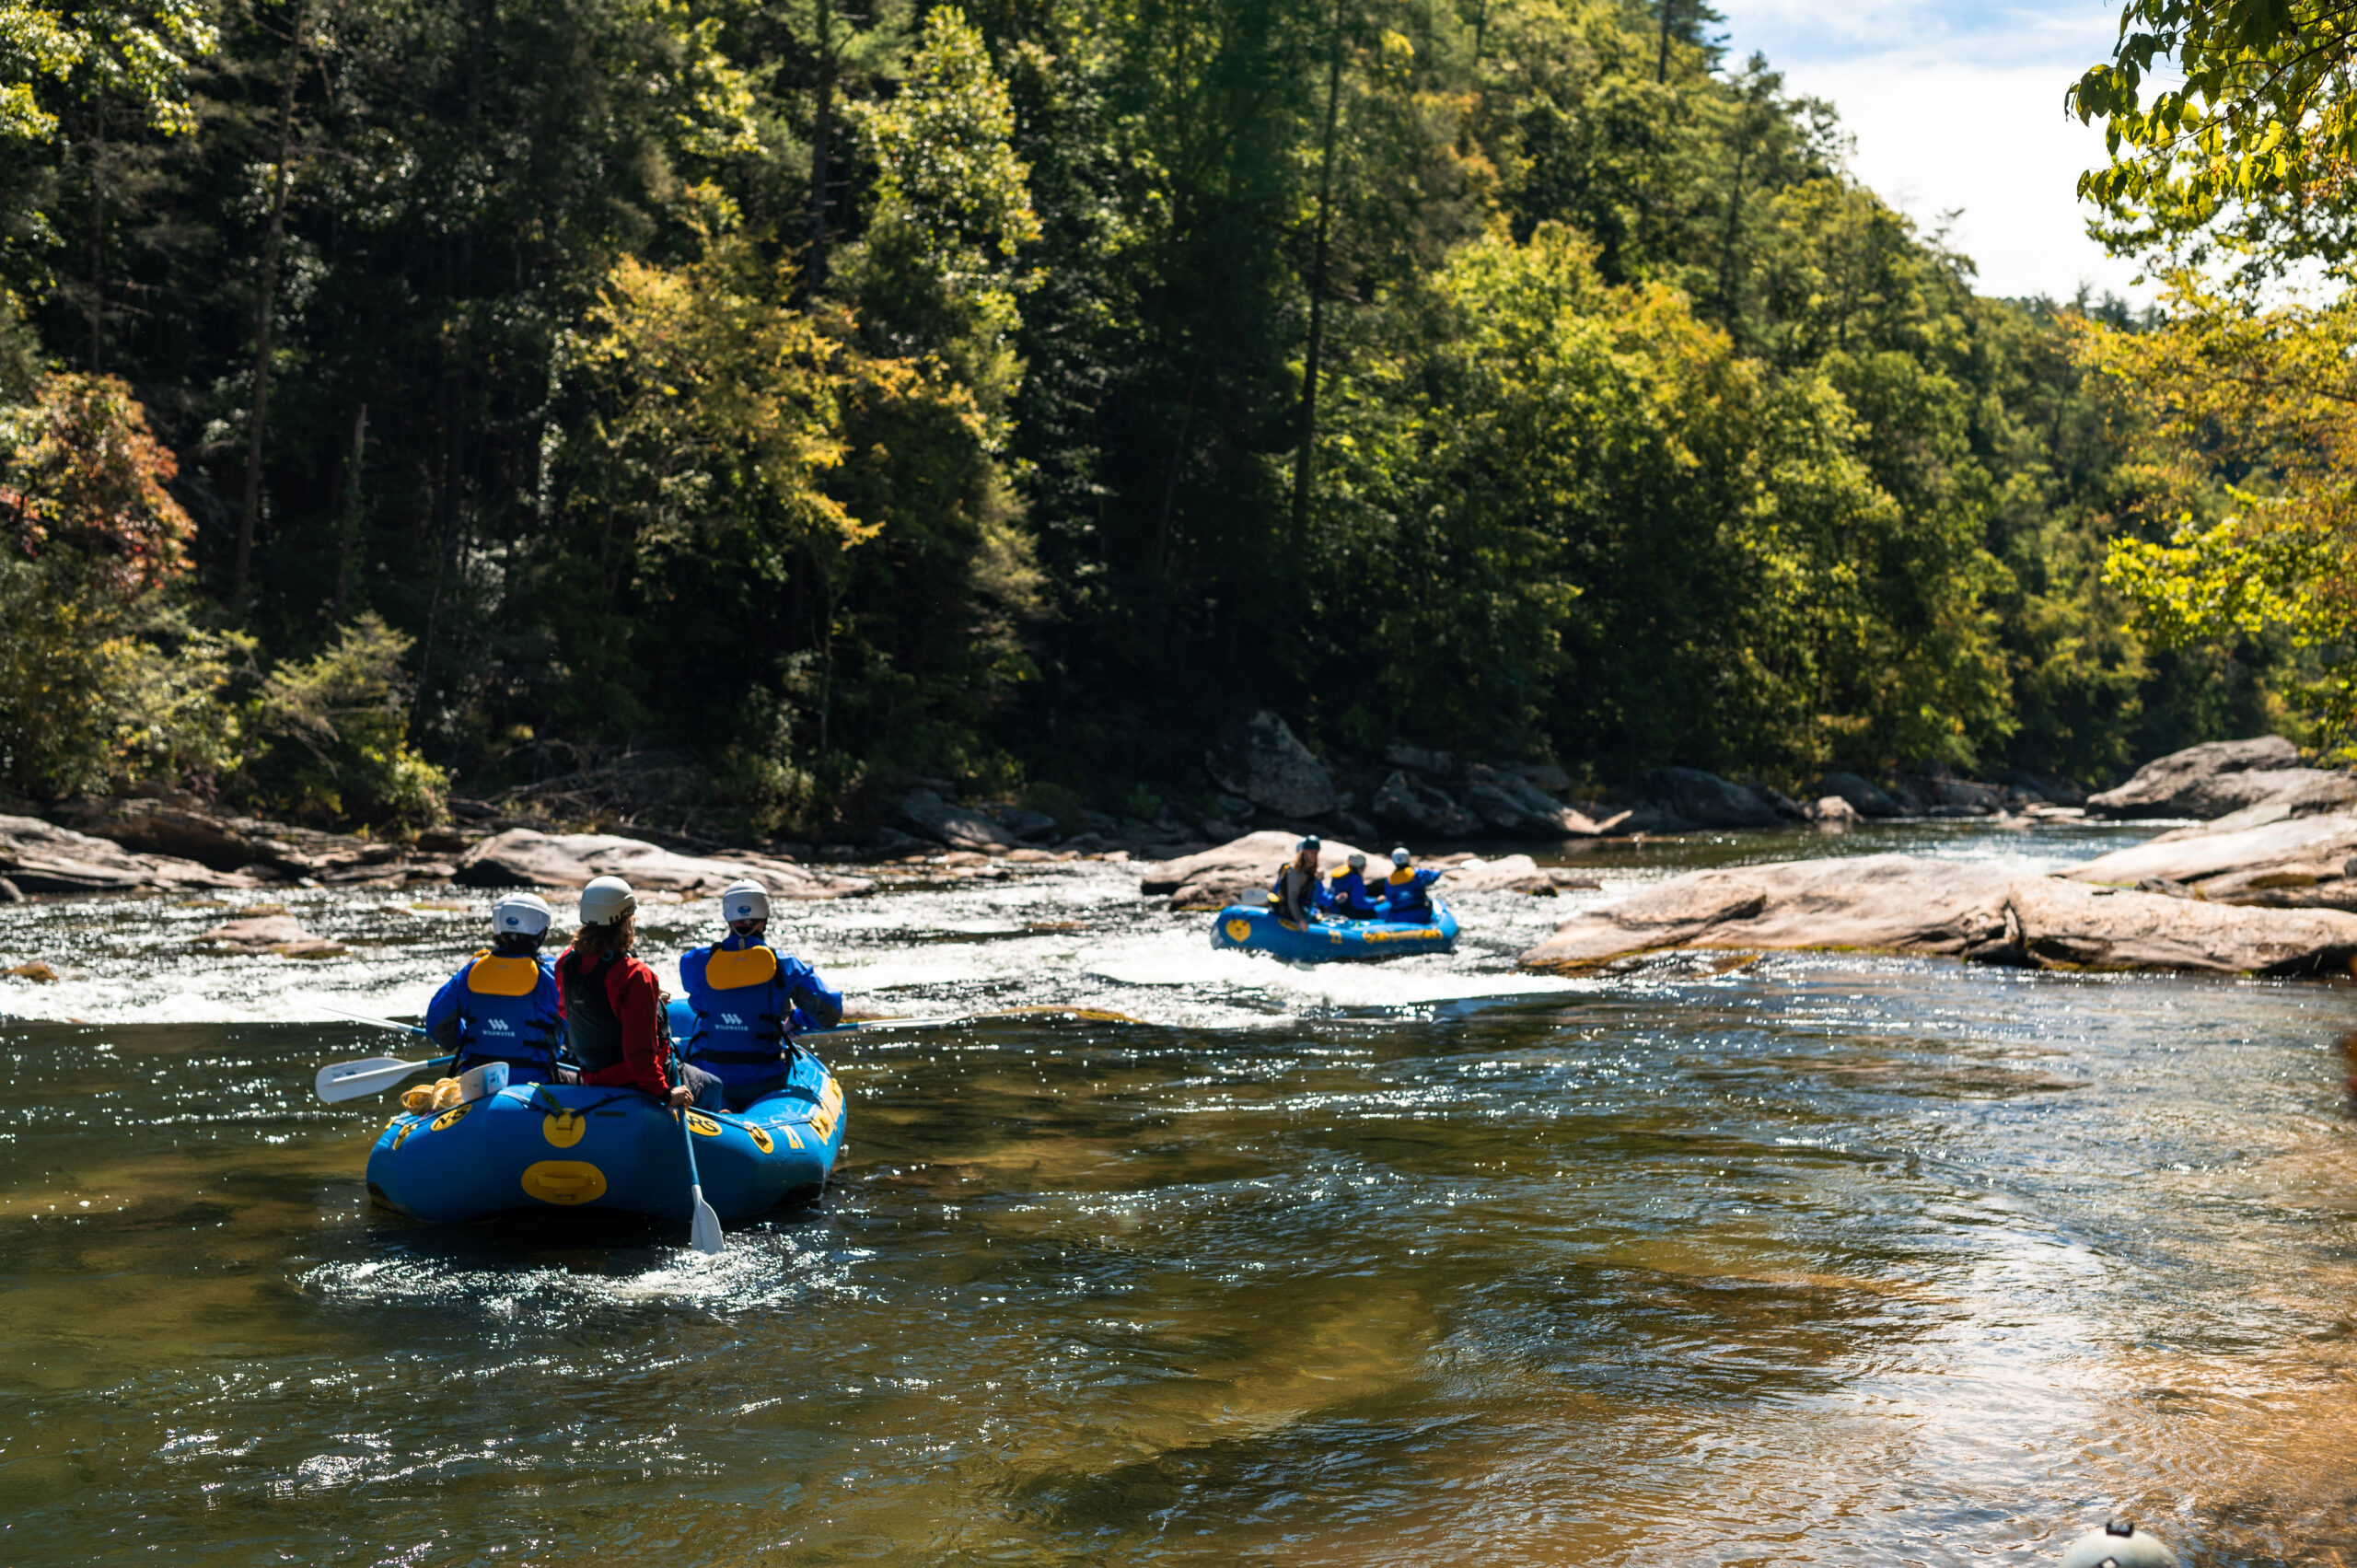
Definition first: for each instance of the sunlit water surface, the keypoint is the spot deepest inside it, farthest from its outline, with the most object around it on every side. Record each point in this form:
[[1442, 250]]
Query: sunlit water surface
[[1823, 1259]]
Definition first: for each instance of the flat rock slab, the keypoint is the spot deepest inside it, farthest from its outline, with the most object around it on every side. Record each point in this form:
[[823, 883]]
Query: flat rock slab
[[2299, 862], [1907, 905], [1237, 871], [523, 858], [40, 857], [1507, 873]]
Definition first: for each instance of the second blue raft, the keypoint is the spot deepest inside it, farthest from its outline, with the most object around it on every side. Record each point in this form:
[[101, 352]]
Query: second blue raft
[[1259, 930]]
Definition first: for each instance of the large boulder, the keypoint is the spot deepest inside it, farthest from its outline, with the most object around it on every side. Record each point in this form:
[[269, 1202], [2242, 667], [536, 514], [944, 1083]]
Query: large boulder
[[952, 825], [2295, 862], [1514, 805], [156, 827], [1707, 800], [523, 858], [1908, 904], [1266, 763], [1238, 871], [1865, 798], [1419, 759], [40, 857], [2318, 794], [2209, 780], [1404, 805]]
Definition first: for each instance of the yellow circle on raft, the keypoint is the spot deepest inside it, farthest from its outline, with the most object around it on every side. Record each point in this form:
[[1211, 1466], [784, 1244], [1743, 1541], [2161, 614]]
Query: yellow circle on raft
[[703, 1125], [1238, 929], [564, 1181], [762, 1140], [450, 1117], [564, 1128], [402, 1136]]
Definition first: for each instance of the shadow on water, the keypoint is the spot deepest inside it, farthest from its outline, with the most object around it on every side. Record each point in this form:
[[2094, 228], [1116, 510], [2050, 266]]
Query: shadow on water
[[1825, 1260]]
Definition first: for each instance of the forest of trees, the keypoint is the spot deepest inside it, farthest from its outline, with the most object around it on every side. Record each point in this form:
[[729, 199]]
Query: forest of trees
[[820, 393]]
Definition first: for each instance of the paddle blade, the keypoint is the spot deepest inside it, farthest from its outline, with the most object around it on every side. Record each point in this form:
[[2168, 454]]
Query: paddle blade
[[339, 1080], [705, 1233]]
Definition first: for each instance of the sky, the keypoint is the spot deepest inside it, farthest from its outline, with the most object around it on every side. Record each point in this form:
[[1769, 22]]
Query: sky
[[1959, 105]]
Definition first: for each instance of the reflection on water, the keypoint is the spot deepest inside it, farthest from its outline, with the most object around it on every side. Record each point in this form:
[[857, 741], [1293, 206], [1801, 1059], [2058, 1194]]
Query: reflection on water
[[1828, 1259]]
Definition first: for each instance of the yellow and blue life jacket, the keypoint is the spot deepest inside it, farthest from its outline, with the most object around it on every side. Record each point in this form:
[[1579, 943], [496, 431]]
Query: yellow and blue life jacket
[[500, 1008], [1407, 900], [749, 1001]]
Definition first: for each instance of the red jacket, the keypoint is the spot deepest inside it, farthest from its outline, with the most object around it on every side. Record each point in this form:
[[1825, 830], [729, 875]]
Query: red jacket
[[637, 1001]]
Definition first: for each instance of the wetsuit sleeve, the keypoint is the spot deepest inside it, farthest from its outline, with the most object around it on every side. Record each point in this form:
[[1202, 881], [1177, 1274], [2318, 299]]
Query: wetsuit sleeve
[[442, 1012], [631, 987], [815, 1006]]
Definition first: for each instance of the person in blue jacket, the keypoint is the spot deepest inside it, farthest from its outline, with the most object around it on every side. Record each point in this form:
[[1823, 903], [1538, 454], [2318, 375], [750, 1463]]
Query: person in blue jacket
[[1406, 896], [1348, 895], [502, 1006], [749, 1000]]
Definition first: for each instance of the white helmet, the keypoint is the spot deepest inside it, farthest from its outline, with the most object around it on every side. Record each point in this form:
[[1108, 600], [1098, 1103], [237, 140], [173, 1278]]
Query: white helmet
[[521, 914], [606, 901], [2118, 1546], [744, 901], [1358, 862], [1399, 857]]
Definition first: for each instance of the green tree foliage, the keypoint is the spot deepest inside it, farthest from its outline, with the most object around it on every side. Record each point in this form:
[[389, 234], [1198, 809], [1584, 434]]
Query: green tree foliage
[[836, 392], [2231, 127], [2228, 120], [102, 677], [332, 737]]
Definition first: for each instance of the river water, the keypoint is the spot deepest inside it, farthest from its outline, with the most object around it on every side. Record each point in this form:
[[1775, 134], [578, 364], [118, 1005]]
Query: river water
[[1824, 1258]]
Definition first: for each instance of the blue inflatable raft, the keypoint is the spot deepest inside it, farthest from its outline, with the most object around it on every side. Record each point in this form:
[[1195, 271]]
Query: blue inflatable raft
[[1259, 930], [573, 1146]]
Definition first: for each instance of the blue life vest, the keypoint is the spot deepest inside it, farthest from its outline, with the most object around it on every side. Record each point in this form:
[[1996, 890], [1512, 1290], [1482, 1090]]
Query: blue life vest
[[500, 1009], [745, 1000], [1409, 903], [1346, 891]]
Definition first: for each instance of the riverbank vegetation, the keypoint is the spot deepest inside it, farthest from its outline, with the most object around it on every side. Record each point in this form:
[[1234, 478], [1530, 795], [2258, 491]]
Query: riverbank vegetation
[[818, 395], [2232, 174]]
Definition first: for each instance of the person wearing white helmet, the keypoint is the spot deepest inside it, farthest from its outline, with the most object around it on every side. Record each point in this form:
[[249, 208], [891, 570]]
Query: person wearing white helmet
[[612, 1006], [1347, 893], [502, 1004], [748, 1000], [1407, 896]]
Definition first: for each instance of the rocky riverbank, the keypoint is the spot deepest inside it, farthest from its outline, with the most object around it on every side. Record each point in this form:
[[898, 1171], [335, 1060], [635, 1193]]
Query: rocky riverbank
[[1898, 903], [2267, 886]]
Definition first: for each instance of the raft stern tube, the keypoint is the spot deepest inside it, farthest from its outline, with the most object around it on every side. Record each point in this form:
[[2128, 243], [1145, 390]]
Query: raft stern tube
[[573, 1145]]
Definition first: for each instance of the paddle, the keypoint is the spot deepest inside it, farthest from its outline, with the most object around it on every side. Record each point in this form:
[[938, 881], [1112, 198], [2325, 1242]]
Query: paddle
[[705, 1232], [366, 1018], [339, 1080]]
